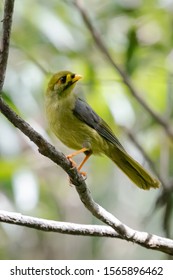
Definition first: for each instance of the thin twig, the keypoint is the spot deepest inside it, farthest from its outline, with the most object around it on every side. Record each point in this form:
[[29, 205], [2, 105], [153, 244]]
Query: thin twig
[[101, 45], [145, 155], [5, 41], [31, 58]]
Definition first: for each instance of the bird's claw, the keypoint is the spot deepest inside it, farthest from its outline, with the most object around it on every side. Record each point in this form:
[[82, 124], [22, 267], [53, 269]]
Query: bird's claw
[[84, 174], [73, 163]]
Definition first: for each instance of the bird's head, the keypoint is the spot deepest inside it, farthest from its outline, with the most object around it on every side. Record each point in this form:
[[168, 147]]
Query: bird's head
[[62, 83]]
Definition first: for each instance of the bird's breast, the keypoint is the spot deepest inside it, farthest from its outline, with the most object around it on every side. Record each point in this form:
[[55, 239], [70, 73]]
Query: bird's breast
[[73, 132]]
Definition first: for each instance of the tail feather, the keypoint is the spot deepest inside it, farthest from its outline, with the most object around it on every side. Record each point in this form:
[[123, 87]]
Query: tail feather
[[133, 169]]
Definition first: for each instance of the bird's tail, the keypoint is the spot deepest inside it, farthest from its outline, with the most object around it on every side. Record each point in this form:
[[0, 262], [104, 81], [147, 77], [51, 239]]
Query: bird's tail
[[132, 169]]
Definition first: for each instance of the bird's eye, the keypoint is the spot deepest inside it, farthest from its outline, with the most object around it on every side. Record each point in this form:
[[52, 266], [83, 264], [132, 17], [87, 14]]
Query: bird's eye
[[63, 79], [72, 76]]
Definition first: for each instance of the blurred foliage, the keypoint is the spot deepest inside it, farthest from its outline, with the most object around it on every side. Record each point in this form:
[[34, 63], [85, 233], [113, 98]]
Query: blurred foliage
[[48, 36]]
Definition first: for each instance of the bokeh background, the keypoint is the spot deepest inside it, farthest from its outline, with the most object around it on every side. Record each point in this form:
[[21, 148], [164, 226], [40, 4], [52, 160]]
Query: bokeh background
[[48, 36]]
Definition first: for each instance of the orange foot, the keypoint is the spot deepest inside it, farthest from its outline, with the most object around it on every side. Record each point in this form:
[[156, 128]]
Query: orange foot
[[73, 163], [84, 175]]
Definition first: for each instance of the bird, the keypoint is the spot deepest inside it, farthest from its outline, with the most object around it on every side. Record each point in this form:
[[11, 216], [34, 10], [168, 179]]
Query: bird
[[80, 128]]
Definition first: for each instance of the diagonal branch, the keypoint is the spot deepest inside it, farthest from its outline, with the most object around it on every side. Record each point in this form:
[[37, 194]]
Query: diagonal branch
[[100, 44], [5, 41], [144, 239], [49, 151]]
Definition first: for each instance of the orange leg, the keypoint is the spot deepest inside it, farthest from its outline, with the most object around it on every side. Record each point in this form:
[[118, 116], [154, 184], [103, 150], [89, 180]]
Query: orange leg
[[82, 163]]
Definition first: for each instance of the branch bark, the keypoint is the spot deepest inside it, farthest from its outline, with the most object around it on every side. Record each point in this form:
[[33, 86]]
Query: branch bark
[[56, 226], [5, 41], [151, 241]]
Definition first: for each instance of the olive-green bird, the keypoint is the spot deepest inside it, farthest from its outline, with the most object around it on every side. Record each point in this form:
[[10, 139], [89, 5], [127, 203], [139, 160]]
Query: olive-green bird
[[76, 124]]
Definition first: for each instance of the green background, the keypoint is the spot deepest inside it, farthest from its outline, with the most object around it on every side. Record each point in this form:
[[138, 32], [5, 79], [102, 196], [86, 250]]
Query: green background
[[49, 36]]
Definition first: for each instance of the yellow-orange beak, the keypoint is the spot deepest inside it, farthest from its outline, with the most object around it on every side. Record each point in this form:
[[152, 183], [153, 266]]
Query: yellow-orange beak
[[73, 80], [76, 78]]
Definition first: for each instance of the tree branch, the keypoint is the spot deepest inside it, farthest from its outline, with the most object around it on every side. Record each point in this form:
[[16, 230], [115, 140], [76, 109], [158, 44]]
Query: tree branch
[[6, 30], [56, 226], [153, 242], [100, 44]]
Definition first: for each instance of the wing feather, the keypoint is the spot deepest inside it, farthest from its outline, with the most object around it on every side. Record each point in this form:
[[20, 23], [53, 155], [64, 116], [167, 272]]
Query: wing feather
[[86, 114]]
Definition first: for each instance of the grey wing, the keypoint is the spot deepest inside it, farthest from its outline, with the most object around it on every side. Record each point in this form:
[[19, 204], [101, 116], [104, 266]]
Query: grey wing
[[86, 114]]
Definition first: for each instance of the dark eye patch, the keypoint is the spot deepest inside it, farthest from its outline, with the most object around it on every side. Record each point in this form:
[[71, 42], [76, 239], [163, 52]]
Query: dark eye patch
[[72, 76], [63, 79]]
